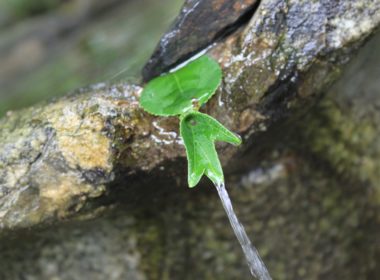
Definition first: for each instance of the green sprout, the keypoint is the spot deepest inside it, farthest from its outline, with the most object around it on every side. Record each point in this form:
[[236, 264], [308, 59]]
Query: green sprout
[[182, 93]]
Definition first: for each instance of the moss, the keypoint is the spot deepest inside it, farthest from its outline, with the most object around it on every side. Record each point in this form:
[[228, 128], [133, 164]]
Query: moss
[[305, 222], [25, 8], [346, 142]]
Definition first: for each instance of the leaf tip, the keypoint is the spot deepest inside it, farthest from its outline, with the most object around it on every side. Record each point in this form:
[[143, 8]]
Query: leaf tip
[[193, 181], [237, 140]]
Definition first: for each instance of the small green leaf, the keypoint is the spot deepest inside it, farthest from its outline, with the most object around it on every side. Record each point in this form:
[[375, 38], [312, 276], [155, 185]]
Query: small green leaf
[[181, 93], [199, 133], [175, 93]]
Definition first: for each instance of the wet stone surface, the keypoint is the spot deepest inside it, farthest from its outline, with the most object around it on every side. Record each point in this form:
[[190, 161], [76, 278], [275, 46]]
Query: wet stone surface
[[199, 24], [304, 183], [53, 159]]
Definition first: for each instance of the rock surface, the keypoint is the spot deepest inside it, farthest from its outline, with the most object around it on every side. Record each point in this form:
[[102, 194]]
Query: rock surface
[[199, 24], [92, 175]]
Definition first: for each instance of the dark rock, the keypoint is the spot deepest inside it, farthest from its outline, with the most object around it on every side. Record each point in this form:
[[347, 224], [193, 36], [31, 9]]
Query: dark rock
[[199, 24]]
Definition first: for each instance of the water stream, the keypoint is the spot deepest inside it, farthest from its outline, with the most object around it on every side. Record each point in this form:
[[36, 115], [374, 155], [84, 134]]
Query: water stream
[[255, 264]]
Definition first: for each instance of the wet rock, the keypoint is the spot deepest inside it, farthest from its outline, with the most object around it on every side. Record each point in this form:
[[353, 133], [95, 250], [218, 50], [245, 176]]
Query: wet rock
[[305, 182], [290, 52], [199, 24], [99, 135], [54, 158]]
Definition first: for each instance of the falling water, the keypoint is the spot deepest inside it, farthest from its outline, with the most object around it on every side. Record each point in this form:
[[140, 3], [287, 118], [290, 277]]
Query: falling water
[[256, 265]]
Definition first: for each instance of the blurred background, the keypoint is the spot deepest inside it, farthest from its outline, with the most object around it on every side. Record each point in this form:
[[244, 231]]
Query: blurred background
[[49, 47]]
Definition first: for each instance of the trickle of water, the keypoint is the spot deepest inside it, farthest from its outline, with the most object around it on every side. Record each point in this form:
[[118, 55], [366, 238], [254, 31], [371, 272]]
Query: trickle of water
[[256, 265]]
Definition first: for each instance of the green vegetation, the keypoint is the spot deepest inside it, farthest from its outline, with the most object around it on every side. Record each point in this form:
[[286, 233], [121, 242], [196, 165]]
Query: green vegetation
[[24, 8], [101, 48], [182, 93]]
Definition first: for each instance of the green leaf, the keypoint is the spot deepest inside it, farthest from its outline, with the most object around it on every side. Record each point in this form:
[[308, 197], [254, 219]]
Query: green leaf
[[178, 92], [199, 133]]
